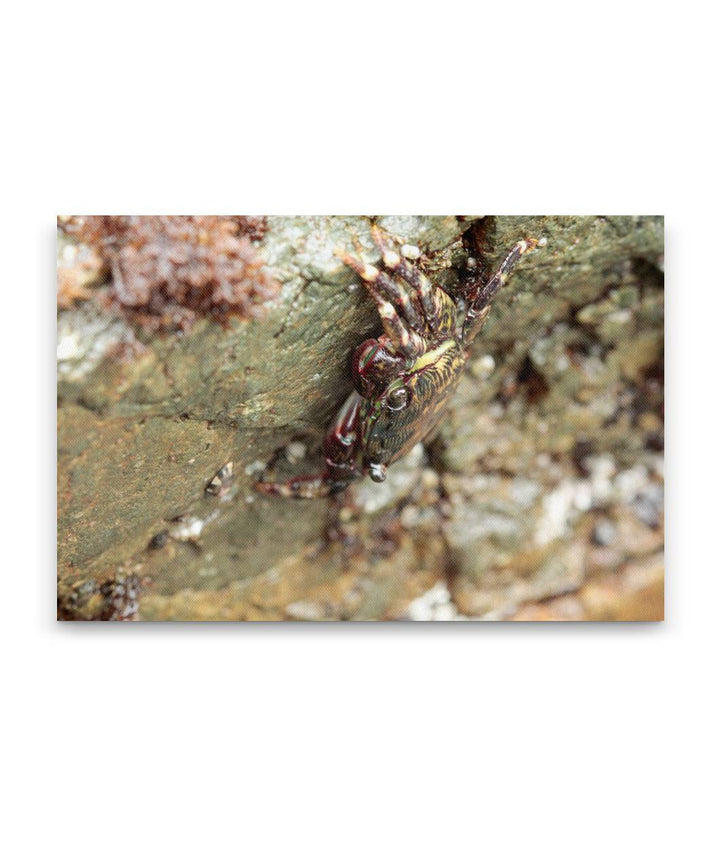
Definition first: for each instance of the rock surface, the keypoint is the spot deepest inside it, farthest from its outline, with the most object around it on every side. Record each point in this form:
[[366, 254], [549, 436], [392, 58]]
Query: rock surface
[[540, 498]]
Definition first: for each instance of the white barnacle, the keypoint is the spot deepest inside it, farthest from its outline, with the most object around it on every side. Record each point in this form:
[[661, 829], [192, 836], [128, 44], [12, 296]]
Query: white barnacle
[[410, 251]]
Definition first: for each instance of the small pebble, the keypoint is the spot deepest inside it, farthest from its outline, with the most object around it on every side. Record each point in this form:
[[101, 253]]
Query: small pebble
[[430, 479], [648, 505], [295, 452], [604, 533], [410, 516], [255, 468], [483, 366]]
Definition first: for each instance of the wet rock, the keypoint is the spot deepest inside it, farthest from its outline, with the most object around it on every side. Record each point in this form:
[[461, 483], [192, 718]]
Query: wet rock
[[502, 504], [634, 594], [436, 604]]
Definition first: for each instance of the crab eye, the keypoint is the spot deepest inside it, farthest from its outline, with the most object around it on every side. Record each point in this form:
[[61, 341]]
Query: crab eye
[[398, 399]]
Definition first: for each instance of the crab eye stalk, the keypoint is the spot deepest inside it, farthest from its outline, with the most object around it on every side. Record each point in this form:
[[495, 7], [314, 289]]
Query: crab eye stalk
[[398, 399]]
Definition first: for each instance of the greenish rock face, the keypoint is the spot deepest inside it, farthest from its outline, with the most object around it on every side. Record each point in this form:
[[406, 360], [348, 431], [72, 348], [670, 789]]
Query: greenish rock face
[[556, 427]]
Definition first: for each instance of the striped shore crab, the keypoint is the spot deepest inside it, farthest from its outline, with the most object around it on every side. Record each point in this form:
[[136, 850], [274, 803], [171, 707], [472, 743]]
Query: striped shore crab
[[403, 379]]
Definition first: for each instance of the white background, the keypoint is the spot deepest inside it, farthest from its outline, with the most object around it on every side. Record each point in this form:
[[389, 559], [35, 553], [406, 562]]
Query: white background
[[359, 739]]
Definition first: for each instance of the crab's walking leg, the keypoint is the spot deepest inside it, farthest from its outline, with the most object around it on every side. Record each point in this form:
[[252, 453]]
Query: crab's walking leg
[[395, 262], [301, 487], [404, 339], [396, 294], [481, 301]]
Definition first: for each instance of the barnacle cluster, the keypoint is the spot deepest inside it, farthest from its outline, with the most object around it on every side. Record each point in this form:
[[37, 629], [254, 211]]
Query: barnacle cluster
[[113, 599], [166, 271]]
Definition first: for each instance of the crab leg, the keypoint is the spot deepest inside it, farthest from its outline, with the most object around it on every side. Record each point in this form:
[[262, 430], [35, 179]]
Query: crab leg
[[480, 302], [394, 260], [399, 331], [301, 487], [398, 296]]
